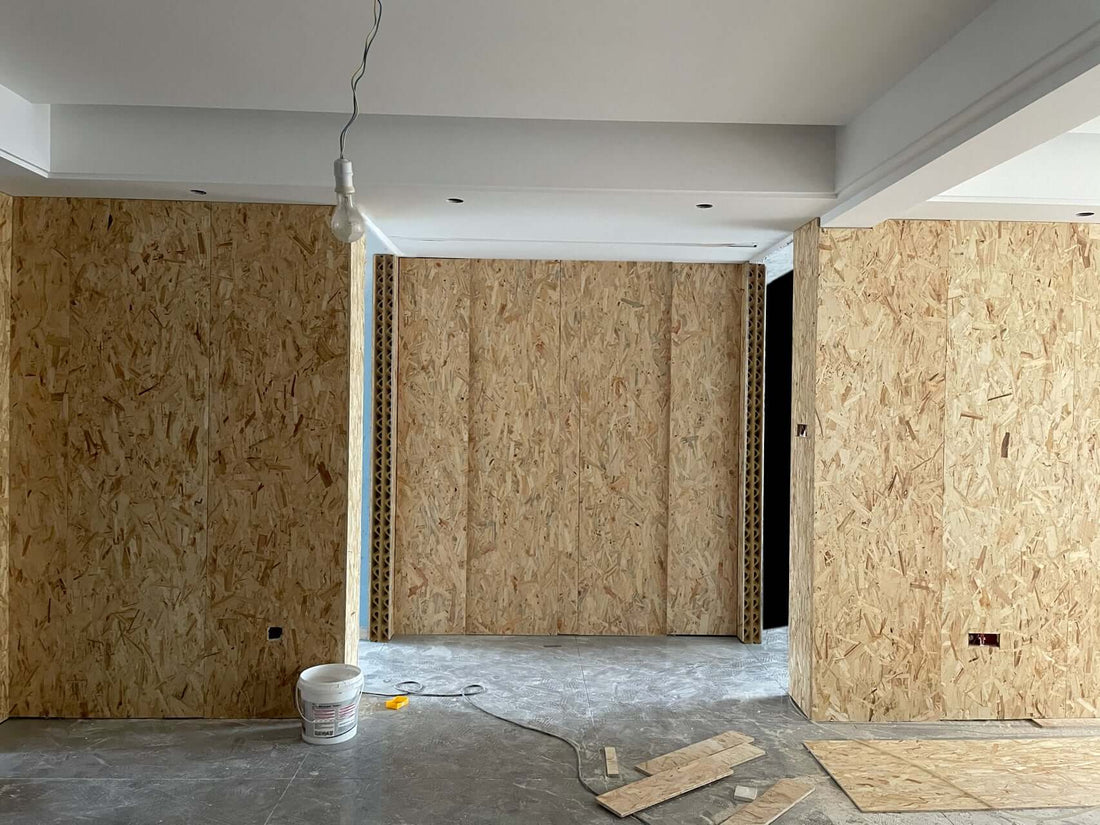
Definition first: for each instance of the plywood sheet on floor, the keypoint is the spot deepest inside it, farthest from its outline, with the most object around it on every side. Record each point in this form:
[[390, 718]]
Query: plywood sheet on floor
[[706, 435], [620, 364], [964, 774], [772, 804], [645, 793], [696, 750], [522, 528], [432, 462]]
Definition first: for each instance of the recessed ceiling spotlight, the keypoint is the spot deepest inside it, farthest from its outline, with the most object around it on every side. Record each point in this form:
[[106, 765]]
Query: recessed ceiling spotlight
[[455, 200], [704, 206], [198, 191], [1085, 214]]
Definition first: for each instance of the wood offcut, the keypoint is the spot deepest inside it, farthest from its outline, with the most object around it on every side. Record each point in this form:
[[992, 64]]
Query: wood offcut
[[697, 750], [772, 804], [665, 785]]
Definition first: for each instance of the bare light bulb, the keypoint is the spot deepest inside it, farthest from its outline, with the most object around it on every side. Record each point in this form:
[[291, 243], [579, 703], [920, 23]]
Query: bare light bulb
[[348, 223]]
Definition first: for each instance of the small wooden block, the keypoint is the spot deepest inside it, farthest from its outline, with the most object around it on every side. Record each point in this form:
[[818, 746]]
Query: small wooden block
[[652, 790], [707, 747], [772, 804], [611, 761], [744, 794]]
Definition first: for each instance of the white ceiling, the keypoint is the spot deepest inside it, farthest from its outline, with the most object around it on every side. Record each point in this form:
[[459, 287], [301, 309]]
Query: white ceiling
[[717, 61]]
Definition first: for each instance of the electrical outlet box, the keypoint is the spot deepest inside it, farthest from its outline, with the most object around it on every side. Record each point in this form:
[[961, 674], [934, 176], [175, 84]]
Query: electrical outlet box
[[984, 639]]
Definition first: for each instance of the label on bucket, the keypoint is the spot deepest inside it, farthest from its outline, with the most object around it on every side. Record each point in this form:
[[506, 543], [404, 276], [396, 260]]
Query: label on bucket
[[331, 720]]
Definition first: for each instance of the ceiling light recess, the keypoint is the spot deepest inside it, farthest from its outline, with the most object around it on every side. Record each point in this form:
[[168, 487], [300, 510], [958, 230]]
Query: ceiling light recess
[[704, 206], [198, 191], [1085, 214]]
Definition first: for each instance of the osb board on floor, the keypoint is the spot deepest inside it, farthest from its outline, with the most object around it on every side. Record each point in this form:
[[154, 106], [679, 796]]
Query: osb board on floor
[[353, 551], [772, 804], [40, 600], [887, 776], [619, 363], [706, 437], [279, 452], [1009, 452], [432, 462], [696, 750], [803, 420], [645, 793], [878, 472], [522, 528], [137, 457], [5, 431]]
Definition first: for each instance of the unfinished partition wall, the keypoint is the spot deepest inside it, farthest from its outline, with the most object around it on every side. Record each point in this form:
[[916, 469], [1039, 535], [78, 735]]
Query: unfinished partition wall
[[952, 420], [541, 439], [5, 407], [180, 388]]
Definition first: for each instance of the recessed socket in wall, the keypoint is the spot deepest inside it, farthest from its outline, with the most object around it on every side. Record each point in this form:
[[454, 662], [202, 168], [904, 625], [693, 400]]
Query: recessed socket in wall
[[274, 634], [803, 431], [984, 639]]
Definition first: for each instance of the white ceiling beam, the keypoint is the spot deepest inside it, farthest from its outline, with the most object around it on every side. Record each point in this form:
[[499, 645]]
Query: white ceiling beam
[[24, 132], [1019, 74]]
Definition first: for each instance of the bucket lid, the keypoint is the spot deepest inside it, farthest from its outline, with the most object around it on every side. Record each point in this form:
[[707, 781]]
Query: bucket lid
[[331, 675]]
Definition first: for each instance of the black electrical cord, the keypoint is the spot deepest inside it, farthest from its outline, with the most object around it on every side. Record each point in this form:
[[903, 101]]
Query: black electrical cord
[[414, 688], [355, 78]]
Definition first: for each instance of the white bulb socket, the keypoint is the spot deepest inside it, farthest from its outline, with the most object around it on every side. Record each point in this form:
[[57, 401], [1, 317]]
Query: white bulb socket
[[348, 223]]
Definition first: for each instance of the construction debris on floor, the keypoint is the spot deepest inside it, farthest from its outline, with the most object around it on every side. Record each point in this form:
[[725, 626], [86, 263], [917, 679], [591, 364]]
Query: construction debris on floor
[[691, 767], [887, 775]]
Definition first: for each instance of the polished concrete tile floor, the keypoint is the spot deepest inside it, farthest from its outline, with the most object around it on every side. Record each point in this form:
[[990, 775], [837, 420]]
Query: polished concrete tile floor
[[442, 761]]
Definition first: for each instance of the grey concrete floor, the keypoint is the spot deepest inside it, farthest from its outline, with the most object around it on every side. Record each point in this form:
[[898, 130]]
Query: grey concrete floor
[[441, 761]]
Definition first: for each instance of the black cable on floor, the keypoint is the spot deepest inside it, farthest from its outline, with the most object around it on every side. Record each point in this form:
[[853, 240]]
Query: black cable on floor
[[414, 688]]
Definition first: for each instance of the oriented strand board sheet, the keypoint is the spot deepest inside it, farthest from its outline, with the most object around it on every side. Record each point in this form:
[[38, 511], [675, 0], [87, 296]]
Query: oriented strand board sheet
[[620, 367], [706, 433], [518, 512], [278, 453], [878, 471], [1083, 558], [731, 757], [1009, 452], [964, 774], [772, 804], [800, 652], [5, 433], [432, 462], [40, 599], [137, 457], [357, 375], [708, 747], [645, 793]]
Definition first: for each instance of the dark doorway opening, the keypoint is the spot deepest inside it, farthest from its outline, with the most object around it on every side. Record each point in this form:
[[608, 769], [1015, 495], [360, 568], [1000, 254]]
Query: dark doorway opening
[[778, 308]]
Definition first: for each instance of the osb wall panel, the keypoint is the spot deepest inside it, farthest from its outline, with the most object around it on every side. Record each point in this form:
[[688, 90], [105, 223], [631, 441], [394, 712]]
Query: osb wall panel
[[1083, 546], [40, 596], [432, 464], [705, 441], [621, 373], [179, 377], [357, 308], [136, 457], [522, 529], [1009, 455], [878, 473], [279, 454], [803, 435], [5, 424]]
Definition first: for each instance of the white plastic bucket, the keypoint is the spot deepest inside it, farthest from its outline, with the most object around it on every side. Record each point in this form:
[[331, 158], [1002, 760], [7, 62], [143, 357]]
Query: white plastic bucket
[[327, 698]]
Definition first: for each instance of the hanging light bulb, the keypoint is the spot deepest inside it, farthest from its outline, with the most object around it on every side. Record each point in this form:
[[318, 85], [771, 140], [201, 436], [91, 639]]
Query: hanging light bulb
[[348, 223]]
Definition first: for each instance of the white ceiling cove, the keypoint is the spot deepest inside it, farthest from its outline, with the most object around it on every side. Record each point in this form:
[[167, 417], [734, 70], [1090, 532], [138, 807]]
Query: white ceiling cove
[[717, 61]]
